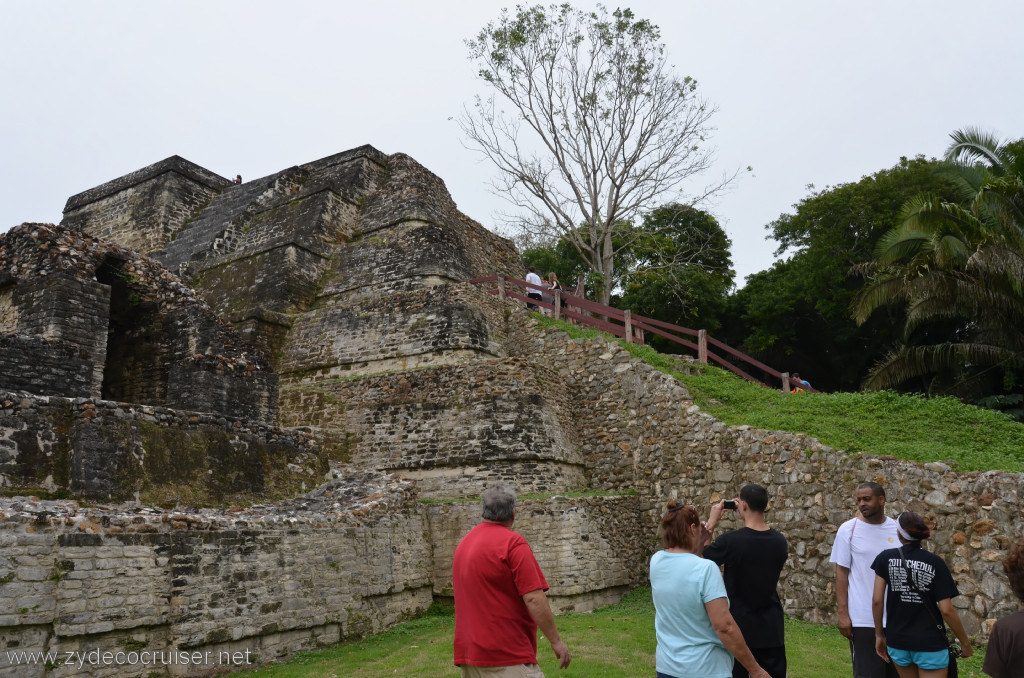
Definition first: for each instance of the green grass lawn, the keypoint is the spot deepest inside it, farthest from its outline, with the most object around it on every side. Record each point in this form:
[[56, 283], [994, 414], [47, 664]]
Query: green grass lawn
[[614, 642]]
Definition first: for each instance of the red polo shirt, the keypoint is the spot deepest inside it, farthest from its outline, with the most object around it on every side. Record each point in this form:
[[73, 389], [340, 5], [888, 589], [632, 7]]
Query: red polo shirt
[[492, 569]]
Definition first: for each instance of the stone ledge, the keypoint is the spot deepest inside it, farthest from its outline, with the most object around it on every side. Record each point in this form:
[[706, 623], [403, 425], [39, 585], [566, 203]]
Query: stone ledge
[[175, 163]]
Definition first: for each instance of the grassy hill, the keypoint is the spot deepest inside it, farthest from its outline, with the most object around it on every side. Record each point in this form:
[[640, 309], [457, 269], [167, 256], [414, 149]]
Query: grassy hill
[[909, 427]]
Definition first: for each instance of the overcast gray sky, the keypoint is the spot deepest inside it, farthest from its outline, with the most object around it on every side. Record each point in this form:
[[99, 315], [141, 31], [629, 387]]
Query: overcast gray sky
[[809, 91]]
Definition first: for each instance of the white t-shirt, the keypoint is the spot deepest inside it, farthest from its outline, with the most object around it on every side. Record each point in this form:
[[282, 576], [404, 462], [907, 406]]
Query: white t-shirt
[[857, 543], [532, 277]]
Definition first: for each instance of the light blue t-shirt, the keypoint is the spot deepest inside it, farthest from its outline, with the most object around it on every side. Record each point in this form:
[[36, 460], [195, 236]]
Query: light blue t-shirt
[[688, 647]]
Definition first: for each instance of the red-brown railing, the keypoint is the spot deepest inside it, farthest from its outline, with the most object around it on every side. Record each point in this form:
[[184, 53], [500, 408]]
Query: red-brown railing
[[632, 328]]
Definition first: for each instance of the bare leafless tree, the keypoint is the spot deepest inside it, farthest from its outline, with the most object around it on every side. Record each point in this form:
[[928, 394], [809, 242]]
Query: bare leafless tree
[[587, 125]]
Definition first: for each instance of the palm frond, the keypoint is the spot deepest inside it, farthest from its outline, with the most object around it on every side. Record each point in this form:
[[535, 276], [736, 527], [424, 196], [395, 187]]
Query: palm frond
[[971, 145], [909, 362]]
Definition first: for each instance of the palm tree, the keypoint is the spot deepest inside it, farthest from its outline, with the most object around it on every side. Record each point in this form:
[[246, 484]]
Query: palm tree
[[958, 268]]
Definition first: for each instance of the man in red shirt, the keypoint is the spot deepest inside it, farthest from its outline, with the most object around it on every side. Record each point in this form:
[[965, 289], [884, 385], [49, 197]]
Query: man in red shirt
[[499, 597]]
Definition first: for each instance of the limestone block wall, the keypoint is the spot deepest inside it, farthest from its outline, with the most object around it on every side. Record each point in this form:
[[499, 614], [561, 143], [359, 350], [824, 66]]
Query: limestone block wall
[[231, 389], [413, 193], [455, 428], [142, 209], [58, 367], [648, 436], [394, 331], [107, 450], [592, 548], [407, 255], [258, 252], [213, 230], [280, 270], [58, 306], [257, 584]]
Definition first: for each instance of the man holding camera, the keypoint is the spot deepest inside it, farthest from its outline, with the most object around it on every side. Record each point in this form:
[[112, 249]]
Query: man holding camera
[[753, 557]]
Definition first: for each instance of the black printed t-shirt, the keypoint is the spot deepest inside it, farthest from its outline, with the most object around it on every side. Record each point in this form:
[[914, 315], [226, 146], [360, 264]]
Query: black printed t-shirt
[[909, 624], [753, 561]]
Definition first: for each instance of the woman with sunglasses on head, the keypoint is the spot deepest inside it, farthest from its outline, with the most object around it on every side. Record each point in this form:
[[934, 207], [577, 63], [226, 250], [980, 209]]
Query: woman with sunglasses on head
[[696, 634], [920, 591]]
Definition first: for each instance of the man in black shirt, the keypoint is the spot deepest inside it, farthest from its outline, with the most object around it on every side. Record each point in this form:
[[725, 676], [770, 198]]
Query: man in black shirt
[[753, 557]]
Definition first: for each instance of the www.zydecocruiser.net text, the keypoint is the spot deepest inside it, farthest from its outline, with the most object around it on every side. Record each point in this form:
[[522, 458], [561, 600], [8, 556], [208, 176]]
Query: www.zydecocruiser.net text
[[82, 658]]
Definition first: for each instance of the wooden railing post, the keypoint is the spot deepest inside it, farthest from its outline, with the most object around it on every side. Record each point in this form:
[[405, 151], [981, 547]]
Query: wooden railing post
[[629, 326], [501, 288], [702, 346], [785, 382], [557, 294]]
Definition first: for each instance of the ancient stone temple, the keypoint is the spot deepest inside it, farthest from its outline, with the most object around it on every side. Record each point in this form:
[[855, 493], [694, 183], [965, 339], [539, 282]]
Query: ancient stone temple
[[244, 419]]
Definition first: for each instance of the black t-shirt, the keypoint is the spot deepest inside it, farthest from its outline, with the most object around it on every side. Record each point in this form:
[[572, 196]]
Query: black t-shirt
[[909, 625], [753, 561]]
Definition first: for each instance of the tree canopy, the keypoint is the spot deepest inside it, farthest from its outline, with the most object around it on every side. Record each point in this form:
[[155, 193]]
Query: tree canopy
[[587, 125], [795, 315], [654, 285], [650, 284], [957, 267]]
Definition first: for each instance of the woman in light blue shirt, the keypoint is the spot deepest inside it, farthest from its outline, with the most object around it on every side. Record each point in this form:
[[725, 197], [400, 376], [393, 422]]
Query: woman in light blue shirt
[[696, 634]]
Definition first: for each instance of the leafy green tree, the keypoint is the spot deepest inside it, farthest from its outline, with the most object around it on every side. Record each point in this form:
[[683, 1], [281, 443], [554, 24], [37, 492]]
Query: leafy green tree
[[679, 269], [958, 269], [587, 124], [652, 281], [795, 315]]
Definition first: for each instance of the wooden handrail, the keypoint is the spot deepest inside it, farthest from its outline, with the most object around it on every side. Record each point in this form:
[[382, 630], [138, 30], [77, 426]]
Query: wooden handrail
[[637, 323]]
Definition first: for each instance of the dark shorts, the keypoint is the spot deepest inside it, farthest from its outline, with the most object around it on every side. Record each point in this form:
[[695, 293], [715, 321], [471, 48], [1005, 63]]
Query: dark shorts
[[533, 295], [771, 659], [866, 662]]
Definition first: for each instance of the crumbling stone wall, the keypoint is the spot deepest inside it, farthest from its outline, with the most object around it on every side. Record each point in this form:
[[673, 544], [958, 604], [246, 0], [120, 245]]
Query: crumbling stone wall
[[264, 582], [148, 337]]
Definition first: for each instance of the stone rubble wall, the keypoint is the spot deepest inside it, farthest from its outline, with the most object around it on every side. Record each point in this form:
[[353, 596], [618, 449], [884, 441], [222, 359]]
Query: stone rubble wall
[[345, 561], [647, 436]]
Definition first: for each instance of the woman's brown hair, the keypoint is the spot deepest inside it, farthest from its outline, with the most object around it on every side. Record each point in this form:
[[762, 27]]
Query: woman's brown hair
[[675, 525], [1013, 565]]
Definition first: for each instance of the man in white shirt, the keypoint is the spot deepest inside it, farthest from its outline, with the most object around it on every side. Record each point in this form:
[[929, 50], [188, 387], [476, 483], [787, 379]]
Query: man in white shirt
[[534, 292], [858, 541]]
